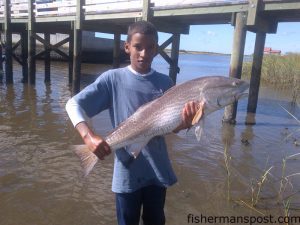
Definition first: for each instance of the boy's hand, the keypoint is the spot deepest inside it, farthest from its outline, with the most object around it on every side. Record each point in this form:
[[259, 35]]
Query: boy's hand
[[95, 143], [188, 113]]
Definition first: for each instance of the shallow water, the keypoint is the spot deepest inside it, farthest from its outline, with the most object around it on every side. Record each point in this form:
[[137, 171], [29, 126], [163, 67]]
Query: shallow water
[[40, 177]]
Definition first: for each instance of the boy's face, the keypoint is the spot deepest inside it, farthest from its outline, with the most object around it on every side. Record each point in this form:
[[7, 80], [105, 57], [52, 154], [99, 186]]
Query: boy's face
[[142, 49]]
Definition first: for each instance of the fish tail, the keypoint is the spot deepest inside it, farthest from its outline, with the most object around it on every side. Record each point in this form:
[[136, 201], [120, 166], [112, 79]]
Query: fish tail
[[88, 159]]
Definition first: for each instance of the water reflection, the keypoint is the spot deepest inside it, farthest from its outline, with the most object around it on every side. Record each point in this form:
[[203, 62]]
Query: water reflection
[[228, 134], [246, 138]]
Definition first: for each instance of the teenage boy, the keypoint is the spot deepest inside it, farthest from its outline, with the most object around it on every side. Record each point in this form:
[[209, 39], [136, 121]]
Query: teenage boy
[[138, 183]]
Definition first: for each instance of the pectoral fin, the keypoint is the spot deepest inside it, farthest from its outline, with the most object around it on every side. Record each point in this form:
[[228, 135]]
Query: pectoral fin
[[199, 113], [199, 130], [136, 148]]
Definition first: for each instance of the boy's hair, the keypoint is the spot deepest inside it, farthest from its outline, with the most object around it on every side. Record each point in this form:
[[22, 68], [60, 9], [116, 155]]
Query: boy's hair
[[142, 27]]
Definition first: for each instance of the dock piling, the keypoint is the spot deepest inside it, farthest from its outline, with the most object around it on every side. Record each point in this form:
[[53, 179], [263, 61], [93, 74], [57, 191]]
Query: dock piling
[[174, 69], [256, 72], [31, 43], [146, 10], [47, 57], [24, 55], [236, 61], [117, 50], [71, 50], [77, 60], [1, 62], [77, 47], [8, 43]]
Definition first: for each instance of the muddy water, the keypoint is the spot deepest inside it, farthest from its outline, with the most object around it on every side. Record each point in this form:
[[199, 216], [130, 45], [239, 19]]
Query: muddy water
[[222, 175]]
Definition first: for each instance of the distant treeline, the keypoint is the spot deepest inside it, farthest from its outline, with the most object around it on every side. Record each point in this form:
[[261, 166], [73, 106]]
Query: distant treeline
[[279, 71], [182, 51]]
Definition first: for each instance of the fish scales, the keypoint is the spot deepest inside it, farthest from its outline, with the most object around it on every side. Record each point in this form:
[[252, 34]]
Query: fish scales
[[150, 123]]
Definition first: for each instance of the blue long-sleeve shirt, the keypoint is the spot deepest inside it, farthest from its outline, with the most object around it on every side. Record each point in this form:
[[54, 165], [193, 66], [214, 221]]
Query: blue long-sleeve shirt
[[122, 92]]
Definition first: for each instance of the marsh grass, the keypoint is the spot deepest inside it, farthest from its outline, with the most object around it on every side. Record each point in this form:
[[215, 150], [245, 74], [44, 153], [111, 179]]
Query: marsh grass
[[281, 72], [257, 185], [283, 181], [297, 130], [227, 162], [260, 184], [286, 208]]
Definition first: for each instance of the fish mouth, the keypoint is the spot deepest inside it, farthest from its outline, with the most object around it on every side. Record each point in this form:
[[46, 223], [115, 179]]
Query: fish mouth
[[233, 99], [241, 96], [244, 94]]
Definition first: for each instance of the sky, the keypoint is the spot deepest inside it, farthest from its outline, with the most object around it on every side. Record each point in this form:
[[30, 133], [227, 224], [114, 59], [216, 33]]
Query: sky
[[219, 38]]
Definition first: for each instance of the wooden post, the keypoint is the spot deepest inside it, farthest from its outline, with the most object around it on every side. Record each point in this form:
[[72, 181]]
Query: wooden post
[[253, 10], [71, 48], [256, 71], [77, 60], [174, 69], [8, 43], [146, 10], [77, 47], [236, 64], [31, 43], [116, 54], [24, 46], [1, 59], [47, 57]]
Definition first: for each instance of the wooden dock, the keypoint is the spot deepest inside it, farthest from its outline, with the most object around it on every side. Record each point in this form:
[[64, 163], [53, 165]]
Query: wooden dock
[[29, 18]]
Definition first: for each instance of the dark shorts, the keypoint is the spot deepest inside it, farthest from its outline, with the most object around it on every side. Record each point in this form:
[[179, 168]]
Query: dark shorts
[[150, 199]]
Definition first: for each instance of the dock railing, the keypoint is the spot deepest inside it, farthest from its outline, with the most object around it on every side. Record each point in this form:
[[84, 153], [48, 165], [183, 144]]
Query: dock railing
[[42, 8], [19, 8], [47, 8]]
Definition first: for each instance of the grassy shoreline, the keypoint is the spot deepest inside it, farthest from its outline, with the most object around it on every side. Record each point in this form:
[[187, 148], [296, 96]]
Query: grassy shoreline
[[281, 72]]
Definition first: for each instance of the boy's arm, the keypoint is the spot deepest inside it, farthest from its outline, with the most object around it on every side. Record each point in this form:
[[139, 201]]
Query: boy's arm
[[94, 142]]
